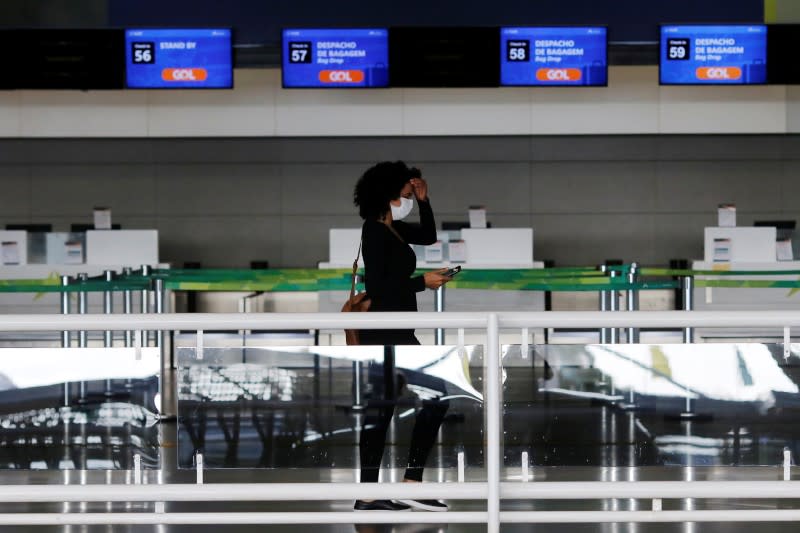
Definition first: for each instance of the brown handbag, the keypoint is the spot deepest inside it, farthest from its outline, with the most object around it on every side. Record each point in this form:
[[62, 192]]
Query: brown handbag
[[356, 303]]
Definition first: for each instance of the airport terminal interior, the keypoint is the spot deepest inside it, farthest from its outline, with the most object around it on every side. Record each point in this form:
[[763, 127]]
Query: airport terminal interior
[[598, 328]]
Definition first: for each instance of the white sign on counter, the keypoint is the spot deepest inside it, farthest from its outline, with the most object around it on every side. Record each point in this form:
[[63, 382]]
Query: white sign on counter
[[784, 250], [434, 252], [499, 246], [477, 216], [129, 247], [722, 250], [13, 247], [753, 245], [457, 251], [10, 252], [102, 218], [343, 246], [726, 216]]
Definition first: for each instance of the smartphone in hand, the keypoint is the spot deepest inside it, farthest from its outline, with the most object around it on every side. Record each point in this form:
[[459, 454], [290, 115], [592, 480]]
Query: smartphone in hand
[[453, 271]]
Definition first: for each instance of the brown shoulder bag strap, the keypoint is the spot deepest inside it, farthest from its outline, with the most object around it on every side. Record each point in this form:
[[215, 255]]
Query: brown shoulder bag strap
[[355, 269], [391, 228]]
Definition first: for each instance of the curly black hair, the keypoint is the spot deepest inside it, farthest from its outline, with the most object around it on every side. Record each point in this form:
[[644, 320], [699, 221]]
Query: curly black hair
[[378, 186]]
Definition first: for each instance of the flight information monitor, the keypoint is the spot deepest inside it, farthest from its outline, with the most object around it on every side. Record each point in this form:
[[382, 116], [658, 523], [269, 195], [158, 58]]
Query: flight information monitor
[[178, 59], [713, 55], [338, 58], [554, 56]]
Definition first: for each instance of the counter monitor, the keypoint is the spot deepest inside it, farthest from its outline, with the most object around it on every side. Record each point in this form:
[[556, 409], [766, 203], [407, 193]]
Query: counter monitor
[[335, 58], [713, 55], [178, 59], [554, 56]]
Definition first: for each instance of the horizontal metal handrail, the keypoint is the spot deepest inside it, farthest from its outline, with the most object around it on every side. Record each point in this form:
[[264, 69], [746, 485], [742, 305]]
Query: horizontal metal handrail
[[241, 518], [472, 320], [388, 517], [237, 321], [606, 517], [226, 492], [550, 490]]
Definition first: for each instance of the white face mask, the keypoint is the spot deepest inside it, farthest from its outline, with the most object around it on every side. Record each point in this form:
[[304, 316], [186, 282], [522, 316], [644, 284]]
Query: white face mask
[[400, 212]]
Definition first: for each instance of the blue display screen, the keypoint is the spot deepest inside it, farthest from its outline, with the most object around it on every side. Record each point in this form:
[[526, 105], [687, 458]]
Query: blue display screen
[[553, 56], [178, 59], [713, 55], [336, 58]]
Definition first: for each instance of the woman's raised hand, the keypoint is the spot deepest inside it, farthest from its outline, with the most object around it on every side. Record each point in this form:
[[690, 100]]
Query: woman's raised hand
[[420, 187]]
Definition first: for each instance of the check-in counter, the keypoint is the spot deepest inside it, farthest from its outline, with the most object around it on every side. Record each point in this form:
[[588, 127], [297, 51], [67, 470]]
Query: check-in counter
[[750, 251], [100, 250], [749, 298]]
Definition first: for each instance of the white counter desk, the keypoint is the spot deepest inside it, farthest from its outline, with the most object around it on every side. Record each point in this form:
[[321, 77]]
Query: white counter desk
[[745, 298]]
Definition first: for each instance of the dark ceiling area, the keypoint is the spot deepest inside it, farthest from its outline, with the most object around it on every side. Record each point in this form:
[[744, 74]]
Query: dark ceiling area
[[633, 24]]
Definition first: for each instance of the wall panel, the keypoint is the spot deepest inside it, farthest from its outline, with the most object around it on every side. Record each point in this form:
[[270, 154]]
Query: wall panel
[[247, 110], [625, 106], [793, 109], [754, 109], [225, 202], [258, 107], [82, 114]]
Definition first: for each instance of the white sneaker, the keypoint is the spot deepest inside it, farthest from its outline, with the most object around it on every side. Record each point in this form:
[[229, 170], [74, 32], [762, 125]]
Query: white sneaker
[[426, 505]]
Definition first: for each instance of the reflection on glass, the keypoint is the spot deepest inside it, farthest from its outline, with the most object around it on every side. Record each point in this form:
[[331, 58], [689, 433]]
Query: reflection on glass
[[641, 405], [312, 406], [78, 408], [565, 405]]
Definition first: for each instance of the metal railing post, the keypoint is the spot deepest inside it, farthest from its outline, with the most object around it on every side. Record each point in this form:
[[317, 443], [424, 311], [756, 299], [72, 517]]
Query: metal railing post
[[108, 335], [604, 307], [82, 334], [65, 335], [82, 309], [145, 304], [166, 364], [358, 393], [108, 308], [127, 306], [613, 336], [493, 405], [687, 284], [158, 286], [439, 307], [633, 301], [358, 401]]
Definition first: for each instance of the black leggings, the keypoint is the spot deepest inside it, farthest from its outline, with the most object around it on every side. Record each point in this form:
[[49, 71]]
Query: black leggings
[[379, 411]]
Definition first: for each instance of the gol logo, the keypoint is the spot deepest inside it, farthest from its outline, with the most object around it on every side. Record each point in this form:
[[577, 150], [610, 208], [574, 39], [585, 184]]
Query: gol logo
[[184, 74], [341, 76], [558, 74], [719, 73]]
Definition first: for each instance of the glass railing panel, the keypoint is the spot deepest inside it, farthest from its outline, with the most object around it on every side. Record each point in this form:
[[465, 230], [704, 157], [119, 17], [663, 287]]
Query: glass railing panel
[[79, 408], [316, 406], [650, 405]]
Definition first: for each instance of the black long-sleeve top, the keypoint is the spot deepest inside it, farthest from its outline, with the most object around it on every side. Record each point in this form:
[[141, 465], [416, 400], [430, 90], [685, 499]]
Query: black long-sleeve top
[[388, 267]]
